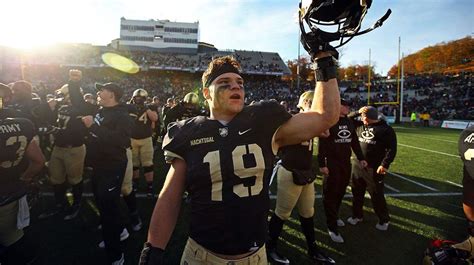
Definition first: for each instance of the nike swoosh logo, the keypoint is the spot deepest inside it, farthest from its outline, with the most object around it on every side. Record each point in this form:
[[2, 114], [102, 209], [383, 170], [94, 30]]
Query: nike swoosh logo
[[240, 133], [111, 189]]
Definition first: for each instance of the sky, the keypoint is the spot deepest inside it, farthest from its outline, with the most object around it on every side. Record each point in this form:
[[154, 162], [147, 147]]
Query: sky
[[259, 25]]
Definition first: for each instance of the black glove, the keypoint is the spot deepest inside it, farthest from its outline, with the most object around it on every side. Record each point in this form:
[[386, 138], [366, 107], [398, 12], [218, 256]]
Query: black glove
[[314, 43], [151, 255]]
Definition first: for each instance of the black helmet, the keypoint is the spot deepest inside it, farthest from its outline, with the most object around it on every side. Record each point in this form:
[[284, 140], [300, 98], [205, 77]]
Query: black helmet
[[347, 15]]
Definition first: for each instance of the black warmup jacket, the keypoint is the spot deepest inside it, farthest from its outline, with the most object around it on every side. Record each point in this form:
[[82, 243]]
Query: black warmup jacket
[[378, 142]]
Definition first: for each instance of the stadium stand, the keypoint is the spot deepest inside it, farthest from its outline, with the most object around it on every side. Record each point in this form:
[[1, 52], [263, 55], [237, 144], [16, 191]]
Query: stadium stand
[[443, 96]]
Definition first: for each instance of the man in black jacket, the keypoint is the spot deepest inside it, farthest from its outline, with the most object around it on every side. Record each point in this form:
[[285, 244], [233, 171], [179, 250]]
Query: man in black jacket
[[379, 146], [334, 159], [110, 132]]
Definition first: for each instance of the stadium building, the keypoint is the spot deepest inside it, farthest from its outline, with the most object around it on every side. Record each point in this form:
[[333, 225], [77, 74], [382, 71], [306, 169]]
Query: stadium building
[[158, 35]]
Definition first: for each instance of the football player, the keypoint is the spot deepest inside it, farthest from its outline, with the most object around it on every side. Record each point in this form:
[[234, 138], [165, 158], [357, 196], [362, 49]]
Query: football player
[[66, 163], [334, 159], [224, 161], [17, 148], [142, 143], [295, 177], [466, 151], [186, 109]]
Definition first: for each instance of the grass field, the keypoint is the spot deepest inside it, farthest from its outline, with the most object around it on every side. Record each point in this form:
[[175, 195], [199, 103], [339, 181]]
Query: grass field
[[423, 194]]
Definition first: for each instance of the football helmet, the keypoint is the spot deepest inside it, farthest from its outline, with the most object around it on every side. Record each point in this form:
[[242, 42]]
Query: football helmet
[[139, 96], [442, 252], [308, 95], [140, 93], [346, 15], [191, 98]]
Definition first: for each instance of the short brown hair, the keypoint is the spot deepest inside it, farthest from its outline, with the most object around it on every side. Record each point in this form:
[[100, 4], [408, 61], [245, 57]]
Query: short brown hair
[[218, 66]]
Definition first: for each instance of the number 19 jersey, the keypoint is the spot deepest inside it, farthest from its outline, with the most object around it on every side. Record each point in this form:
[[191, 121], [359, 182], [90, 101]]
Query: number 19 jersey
[[228, 170]]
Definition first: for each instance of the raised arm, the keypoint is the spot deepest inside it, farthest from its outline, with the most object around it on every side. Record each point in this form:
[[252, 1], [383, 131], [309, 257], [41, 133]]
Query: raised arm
[[324, 113]]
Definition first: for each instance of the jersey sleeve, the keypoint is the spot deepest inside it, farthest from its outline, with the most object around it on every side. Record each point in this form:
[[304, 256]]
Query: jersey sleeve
[[176, 140]]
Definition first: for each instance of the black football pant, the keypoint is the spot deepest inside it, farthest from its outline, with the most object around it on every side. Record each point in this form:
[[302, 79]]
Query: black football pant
[[334, 189], [107, 185], [374, 184]]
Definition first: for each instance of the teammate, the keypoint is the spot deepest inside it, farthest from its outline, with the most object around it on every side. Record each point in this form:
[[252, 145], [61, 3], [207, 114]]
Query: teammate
[[17, 149], [379, 146], [142, 144], [67, 158], [295, 177], [185, 109], [224, 162], [109, 133], [466, 151], [334, 159]]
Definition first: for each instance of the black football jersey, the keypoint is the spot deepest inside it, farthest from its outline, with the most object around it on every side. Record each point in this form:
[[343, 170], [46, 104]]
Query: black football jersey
[[15, 136], [228, 170], [466, 150], [70, 131], [142, 125], [298, 156]]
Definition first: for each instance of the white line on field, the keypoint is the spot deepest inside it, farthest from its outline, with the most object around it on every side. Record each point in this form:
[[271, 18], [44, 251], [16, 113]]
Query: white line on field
[[428, 150], [391, 188], [436, 139], [455, 184], [412, 181]]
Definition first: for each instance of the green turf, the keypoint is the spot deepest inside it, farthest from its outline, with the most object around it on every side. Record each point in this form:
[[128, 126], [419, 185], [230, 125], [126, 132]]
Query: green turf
[[415, 220]]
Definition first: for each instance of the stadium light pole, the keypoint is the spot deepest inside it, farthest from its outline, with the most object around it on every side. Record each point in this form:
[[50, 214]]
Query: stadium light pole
[[298, 65], [401, 90], [368, 81]]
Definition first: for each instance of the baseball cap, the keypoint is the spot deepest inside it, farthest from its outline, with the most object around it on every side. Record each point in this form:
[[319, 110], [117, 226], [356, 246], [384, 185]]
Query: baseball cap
[[112, 87], [372, 113]]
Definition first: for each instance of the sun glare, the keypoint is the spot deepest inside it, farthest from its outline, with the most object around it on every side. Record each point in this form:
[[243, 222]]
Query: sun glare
[[33, 24]]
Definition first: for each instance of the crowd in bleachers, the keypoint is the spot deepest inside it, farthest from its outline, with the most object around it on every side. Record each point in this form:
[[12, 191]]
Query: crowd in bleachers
[[443, 96]]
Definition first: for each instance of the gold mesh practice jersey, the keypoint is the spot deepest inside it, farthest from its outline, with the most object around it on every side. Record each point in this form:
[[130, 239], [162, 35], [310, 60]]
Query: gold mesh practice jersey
[[228, 170]]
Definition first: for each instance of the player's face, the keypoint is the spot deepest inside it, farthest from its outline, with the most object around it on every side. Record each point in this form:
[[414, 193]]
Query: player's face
[[226, 94]]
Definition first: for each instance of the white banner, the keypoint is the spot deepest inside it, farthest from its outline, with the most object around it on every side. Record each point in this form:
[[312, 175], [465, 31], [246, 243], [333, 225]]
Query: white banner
[[455, 124]]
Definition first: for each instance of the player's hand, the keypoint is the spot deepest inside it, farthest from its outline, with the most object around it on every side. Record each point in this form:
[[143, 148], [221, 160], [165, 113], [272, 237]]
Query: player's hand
[[324, 171], [88, 121], [381, 170], [75, 75], [316, 47], [363, 163], [151, 255], [363, 110]]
